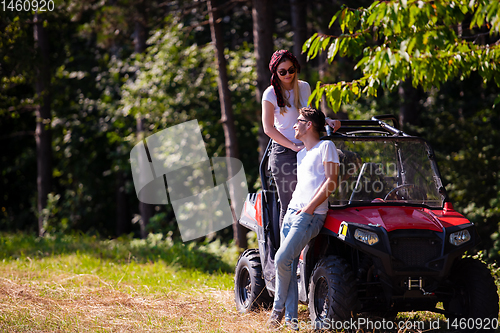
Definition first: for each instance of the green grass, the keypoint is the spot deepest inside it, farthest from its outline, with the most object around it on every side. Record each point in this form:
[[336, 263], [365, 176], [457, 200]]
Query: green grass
[[208, 257], [81, 283], [156, 263]]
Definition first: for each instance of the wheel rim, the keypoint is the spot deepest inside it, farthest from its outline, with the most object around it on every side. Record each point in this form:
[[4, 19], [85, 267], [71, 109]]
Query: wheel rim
[[321, 301], [245, 285]]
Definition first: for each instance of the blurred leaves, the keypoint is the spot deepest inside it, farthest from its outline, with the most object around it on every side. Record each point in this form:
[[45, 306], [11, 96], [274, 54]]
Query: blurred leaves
[[429, 42]]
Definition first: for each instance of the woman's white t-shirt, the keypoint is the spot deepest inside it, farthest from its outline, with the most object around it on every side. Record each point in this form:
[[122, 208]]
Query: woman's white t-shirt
[[311, 174], [284, 123]]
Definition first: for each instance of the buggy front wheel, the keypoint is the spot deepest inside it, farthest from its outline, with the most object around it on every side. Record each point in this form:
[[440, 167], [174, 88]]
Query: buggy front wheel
[[475, 291], [332, 291]]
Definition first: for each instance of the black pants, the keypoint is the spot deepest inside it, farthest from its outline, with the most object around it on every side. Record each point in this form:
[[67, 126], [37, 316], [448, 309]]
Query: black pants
[[283, 163]]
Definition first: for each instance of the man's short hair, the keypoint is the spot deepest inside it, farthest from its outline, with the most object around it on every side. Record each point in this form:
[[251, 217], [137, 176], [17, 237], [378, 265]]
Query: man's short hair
[[316, 117]]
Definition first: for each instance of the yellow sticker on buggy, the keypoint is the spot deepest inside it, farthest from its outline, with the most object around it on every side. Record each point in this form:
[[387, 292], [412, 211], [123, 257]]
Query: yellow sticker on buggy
[[343, 230]]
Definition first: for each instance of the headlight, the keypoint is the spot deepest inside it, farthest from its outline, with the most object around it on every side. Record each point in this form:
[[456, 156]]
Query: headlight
[[365, 236], [460, 237]]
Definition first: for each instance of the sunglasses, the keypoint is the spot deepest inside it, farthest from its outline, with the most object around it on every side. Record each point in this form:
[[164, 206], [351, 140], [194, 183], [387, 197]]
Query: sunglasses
[[282, 72]]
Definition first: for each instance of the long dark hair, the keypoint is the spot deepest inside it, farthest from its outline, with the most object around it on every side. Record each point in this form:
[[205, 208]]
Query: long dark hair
[[277, 58]]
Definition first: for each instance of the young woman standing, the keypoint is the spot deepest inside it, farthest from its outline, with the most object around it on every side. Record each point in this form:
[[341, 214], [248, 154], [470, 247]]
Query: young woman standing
[[280, 104]]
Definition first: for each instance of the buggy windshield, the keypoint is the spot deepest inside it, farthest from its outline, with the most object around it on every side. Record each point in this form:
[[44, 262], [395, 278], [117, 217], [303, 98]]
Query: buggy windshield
[[386, 170]]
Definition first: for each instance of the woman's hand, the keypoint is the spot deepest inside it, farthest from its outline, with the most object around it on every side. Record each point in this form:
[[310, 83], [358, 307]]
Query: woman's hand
[[297, 147], [333, 123]]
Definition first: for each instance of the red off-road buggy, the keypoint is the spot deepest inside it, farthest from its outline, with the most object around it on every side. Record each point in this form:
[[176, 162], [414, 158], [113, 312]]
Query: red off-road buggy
[[391, 241]]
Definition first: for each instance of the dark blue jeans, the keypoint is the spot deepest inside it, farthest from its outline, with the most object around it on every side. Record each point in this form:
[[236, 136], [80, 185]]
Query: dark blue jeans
[[283, 163]]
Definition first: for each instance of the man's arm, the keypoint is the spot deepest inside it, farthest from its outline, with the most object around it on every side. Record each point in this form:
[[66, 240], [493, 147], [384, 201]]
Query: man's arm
[[328, 186]]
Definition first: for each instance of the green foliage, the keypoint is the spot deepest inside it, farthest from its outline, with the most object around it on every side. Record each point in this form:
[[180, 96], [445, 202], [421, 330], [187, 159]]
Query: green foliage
[[98, 95], [427, 42], [17, 121], [176, 81], [173, 82], [48, 213], [464, 130]]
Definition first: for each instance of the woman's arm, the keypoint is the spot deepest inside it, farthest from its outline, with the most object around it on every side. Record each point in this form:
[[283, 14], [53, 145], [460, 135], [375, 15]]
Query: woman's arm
[[271, 131], [333, 123]]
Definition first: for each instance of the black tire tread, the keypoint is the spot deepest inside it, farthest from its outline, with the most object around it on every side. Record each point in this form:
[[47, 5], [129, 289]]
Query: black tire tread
[[475, 276], [259, 294], [342, 288]]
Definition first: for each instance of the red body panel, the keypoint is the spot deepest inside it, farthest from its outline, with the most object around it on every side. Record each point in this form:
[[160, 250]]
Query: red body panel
[[258, 209], [396, 217], [448, 216], [252, 211]]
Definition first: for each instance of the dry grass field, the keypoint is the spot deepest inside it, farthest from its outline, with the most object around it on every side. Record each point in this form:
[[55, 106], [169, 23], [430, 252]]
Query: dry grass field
[[36, 299], [82, 284], [86, 303], [96, 306]]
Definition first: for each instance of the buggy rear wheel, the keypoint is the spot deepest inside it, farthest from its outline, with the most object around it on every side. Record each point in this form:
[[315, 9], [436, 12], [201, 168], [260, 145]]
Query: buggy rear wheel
[[332, 292], [250, 289]]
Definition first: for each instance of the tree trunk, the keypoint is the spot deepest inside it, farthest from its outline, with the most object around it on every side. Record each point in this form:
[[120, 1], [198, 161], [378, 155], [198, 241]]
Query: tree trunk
[[122, 221], [299, 27], [264, 47], [145, 210], [227, 119], [408, 111], [43, 132], [141, 30]]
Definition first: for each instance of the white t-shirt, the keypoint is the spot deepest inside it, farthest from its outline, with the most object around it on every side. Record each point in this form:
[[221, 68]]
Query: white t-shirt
[[284, 123], [311, 174]]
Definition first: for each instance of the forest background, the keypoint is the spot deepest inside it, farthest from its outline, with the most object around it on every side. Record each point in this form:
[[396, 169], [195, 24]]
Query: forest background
[[83, 83]]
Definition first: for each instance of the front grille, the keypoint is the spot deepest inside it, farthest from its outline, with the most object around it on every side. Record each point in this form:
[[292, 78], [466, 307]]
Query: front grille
[[414, 252]]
